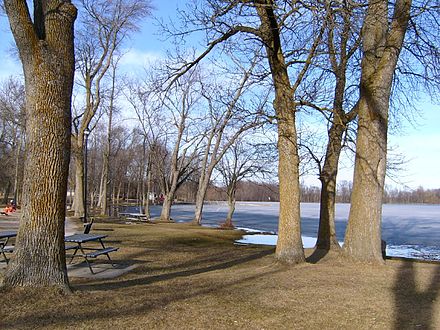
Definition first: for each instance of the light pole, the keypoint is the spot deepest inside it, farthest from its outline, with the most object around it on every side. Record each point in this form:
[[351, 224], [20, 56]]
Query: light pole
[[86, 137]]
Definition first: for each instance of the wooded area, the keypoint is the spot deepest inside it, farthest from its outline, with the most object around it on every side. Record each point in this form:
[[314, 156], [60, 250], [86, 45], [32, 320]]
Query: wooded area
[[235, 114]]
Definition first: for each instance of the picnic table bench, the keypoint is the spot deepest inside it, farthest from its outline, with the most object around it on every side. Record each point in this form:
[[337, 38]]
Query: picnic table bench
[[4, 247], [88, 252]]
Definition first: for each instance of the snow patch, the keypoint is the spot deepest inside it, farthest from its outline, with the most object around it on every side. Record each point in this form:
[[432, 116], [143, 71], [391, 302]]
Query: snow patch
[[260, 239]]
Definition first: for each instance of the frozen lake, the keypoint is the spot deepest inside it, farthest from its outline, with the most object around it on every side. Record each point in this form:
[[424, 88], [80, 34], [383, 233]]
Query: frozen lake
[[410, 227]]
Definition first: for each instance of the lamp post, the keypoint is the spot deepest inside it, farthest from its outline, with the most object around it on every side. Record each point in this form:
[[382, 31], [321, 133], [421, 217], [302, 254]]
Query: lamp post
[[86, 137]]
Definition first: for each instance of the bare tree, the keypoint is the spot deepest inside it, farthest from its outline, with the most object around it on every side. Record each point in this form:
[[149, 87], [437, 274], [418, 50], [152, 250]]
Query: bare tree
[[185, 143], [105, 174], [275, 26], [340, 43], [122, 157], [243, 160], [168, 121], [45, 46], [12, 136], [228, 119], [382, 40], [153, 129], [104, 27], [339, 57]]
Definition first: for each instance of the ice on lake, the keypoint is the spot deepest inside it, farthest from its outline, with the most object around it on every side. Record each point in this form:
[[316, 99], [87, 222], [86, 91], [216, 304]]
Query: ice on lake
[[409, 230]]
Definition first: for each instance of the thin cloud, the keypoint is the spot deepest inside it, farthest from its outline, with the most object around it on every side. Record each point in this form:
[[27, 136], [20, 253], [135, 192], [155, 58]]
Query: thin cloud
[[134, 59]]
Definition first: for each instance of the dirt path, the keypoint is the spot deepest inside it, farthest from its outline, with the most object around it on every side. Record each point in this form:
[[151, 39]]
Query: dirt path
[[11, 222]]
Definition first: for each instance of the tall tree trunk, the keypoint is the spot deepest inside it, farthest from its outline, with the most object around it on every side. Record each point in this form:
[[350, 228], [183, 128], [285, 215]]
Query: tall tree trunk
[[169, 197], [142, 179], [289, 246], [127, 198], [200, 199], [170, 187], [78, 144], [363, 234], [147, 199], [104, 185], [6, 192], [339, 57], [204, 179], [17, 169], [92, 199], [202, 185], [327, 239], [165, 214], [382, 43], [77, 150], [115, 206], [231, 205], [118, 193], [103, 198], [46, 51]]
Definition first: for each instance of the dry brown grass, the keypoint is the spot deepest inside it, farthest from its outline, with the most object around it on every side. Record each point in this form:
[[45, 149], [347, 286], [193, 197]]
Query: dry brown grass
[[196, 278]]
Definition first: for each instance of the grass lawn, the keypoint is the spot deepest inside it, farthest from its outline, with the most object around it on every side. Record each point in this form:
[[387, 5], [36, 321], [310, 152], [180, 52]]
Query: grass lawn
[[189, 277]]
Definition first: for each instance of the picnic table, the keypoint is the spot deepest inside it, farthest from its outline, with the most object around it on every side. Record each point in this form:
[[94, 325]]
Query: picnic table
[[4, 239], [87, 251], [134, 216]]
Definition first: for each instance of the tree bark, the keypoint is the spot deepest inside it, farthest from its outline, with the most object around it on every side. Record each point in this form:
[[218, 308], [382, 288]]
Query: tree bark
[[46, 52], [169, 194], [200, 200], [339, 53], [170, 184], [289, 246], [147, 199], [106, 158], [78, 157], [6, 192], [382, 43], [327, 239], [231, 205], [203, 187], [165, 214], [17, 169]]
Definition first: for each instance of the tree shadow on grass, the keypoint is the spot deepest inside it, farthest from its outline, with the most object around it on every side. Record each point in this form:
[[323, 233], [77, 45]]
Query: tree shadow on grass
[[157, 298], [321, 255], [168, 276], [317, 255], [414, 305]]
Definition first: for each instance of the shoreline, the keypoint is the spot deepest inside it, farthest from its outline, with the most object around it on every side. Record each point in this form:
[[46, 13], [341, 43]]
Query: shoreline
[[404, 252]]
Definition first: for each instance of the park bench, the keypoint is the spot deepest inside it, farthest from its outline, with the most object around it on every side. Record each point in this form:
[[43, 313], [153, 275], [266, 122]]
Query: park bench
[[99, 252]]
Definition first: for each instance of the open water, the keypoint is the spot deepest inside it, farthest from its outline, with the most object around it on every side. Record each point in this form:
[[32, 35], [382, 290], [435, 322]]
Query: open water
[[409, 230]]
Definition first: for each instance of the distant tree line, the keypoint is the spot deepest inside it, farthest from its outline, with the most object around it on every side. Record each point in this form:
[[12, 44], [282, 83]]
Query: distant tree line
[[269, 192], [311, 194], [416, 196]]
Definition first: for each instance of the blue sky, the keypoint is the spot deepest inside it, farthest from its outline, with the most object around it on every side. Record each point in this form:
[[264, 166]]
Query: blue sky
[[419, 143]]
